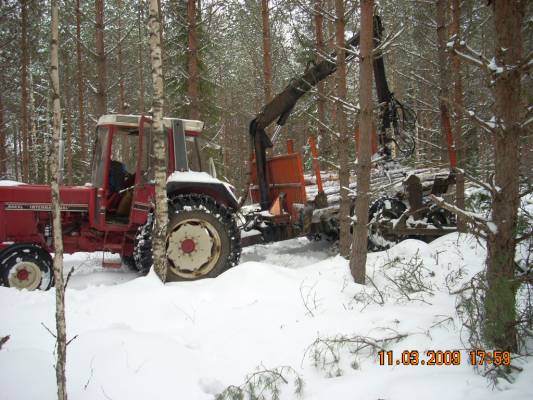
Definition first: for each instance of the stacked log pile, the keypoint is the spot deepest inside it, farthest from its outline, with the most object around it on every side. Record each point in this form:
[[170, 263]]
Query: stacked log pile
[[383, 181]]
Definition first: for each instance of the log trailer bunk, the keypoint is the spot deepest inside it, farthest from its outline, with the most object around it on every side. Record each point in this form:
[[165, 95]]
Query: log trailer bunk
[[114, 212]]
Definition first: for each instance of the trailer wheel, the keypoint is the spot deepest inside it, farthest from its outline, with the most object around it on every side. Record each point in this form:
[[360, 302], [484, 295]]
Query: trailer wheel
[[383, 210], [202, 239], [26, 266]]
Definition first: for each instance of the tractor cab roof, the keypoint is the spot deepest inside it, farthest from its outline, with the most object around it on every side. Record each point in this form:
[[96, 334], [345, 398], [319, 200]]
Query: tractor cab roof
[[192, 127]]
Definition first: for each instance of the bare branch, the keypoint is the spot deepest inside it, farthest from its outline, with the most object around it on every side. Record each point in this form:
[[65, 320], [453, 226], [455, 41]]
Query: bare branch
[[476, 221]]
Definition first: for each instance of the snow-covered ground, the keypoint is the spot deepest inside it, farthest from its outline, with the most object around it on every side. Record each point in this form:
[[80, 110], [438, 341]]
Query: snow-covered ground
[[138, 339]]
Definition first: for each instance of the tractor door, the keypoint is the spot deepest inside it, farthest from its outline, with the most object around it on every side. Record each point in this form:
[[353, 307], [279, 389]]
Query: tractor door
[[143, 191], [125, 144]]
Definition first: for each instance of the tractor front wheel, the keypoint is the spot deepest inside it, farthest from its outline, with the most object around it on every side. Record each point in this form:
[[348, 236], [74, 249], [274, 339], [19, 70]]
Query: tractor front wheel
[[26, 266]]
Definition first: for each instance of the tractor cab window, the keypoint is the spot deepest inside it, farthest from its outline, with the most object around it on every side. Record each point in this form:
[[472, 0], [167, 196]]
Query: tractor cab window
[[122, 168], [124, 149], [147, 170], [102, 136]]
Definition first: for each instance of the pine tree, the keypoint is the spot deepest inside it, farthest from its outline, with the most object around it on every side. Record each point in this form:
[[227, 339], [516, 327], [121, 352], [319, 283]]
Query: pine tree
[[360, 238]]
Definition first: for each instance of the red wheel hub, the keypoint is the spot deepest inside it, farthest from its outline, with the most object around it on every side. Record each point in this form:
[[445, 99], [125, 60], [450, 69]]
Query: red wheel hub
[[23, 275], [188, 246]]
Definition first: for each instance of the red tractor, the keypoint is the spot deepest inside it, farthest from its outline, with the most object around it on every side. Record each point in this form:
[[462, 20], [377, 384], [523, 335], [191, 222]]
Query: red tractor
[[114, 211]]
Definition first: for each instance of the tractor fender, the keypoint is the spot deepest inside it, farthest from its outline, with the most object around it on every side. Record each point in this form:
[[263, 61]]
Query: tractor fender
[[218, 190]]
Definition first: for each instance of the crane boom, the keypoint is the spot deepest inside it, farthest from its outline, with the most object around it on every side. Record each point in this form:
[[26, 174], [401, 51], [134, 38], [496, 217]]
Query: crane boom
[[281, 106]]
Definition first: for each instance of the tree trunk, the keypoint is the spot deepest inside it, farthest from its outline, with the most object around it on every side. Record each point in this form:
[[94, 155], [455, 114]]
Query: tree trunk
[[192, 62], [458, 102], [360, 237], [61, 335], [81, 92], [122, 106], [24, 91], [331, 46], [140, 22], [193, 87], [444, 78], [159, 138], [68, 118], [267, 51], [321, 100], [101, 61], [3, 155], [342, 130], [120, 66], [500, 302], [35, 138], [16, 153]]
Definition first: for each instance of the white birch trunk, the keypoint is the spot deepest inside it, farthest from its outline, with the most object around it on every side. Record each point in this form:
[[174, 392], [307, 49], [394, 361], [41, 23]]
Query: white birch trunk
[[158, 136], [56, 212]]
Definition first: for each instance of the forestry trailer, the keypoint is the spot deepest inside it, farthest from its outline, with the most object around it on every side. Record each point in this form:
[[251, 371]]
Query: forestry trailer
[[114, 212]]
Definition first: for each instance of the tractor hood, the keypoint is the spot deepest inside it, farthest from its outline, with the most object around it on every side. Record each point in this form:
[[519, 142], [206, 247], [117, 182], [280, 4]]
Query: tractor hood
[[20, 196]]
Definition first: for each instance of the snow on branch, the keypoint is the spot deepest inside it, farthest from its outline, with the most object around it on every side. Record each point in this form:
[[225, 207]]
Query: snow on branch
[[389, 40], [489, 126], [469, 54]]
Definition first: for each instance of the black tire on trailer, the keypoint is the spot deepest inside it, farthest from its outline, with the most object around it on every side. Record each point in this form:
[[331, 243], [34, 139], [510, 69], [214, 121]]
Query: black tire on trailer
[[202, 239], [26, 266], [384, 209]]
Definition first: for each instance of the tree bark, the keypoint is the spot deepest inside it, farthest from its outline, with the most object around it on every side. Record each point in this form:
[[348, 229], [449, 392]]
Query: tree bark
[[61, 336], [444, 76], [24, 91], [193, 84], [321, 100], [101, 60], [120, 66], [68, 118], [342, 130], [360, 237], [331, 87], [458, 102], [159, 138], [500, 301], [81, 92], [3, 155], [140, 21], [267, 51], [192, 62]]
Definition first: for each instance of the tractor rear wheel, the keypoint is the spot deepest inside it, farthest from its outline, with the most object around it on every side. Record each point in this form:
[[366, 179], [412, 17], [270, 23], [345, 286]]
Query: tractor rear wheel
[[202, 239], [26, 266]]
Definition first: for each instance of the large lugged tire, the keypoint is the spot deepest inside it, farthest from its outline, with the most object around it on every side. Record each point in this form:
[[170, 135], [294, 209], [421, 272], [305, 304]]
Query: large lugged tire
[[202, 239], [384, 209], [26, 266]]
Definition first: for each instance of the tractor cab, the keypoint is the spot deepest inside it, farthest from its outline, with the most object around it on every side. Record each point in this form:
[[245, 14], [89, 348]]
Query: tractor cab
[[122, 168]]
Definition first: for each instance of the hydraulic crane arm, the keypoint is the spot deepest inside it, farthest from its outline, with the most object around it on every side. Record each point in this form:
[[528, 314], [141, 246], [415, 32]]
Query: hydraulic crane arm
[[281, 106]]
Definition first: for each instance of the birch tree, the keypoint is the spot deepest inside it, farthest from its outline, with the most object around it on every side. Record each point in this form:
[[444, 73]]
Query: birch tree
[[159, 137], [360, 237], [56, 209]]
